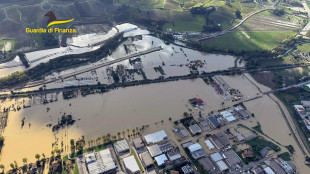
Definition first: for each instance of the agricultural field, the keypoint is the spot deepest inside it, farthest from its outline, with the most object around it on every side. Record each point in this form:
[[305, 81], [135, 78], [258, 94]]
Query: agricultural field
[[304, 47], [195, 24], [254, 40], [266, 21]]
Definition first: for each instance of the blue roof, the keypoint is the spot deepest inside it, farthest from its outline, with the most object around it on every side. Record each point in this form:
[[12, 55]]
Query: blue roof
[[213, 121]]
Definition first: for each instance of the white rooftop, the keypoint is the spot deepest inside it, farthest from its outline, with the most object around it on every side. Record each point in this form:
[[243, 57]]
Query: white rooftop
[[194, 147], [216, 157], [131, 164], [161, 159], [121, 146], [155, 137], [228, 115], [154, 150], [222, 166], [268, 170], [100, 162], [209, 144], [299, 108]]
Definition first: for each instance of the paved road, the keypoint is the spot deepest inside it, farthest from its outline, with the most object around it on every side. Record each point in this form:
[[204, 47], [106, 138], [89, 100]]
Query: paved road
[[214, 35], [305, 30]]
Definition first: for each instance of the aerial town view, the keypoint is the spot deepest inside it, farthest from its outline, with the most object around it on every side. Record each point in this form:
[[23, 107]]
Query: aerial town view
[[155, 86]]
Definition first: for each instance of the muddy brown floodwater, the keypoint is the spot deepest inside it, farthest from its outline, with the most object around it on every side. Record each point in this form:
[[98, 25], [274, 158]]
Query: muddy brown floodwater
[[112, 112], [131, 107]]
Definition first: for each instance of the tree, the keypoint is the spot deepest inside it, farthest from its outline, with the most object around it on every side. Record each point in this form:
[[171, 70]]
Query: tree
[[58, 152], [12, 165], [185, 114], [15, 164], [37, 156], [72, 142], [80, 146], [25, 160], [2, 167], [238, 14]]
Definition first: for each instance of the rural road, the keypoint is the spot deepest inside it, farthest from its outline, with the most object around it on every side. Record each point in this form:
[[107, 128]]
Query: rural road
[[214, 35], [305, 30]]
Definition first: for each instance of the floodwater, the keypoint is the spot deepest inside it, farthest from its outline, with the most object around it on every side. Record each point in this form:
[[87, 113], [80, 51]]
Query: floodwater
[[268, 115], [131, 107], [112, 112]]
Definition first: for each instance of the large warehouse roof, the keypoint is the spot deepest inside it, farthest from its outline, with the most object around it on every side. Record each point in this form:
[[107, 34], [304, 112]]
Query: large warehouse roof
[[155, 137], [131, 164]]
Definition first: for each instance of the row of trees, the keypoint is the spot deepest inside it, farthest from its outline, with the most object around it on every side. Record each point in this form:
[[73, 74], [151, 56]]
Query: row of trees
[[15, 167]]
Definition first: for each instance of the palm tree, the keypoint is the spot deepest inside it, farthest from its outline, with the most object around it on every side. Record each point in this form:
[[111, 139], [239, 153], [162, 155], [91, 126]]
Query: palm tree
[[114, 137], [15, 164], [58, 152], [52, 152], [43, 155], [109, 137], [25, 160], [2, 167], [12, 166], [98, 139], [37, 156]]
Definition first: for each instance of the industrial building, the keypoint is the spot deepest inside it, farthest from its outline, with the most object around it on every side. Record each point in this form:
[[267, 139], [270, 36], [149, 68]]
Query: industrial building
[[223, 140], [195, 129], [138, 143], [204, 124], [121, 146], [218, 160], [146, 159], [131, 165], [231, 157], [196, 151], [161, 160], [228, 116], [216, 141], [209, 145], [181, 132], [174, 155], [213, 122], [100, 162], [154, 150], [155, 137]]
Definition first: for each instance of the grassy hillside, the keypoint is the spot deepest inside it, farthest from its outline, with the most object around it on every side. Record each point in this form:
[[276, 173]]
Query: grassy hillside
[[256, 40]]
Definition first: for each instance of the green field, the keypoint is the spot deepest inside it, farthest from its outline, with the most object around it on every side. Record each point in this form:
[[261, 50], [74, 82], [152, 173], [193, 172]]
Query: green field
[[258, 40], [304, 48], [189, 25], [2, 42]]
